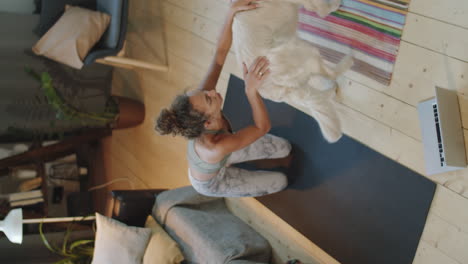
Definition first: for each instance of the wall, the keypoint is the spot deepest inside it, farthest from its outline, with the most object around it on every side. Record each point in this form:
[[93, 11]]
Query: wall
[[17, 6]]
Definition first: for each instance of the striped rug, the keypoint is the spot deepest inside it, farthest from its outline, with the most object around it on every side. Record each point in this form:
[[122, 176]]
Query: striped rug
[[369, 29]]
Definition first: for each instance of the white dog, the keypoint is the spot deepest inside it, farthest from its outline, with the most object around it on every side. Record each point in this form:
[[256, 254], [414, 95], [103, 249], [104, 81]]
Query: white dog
[[298, 73]]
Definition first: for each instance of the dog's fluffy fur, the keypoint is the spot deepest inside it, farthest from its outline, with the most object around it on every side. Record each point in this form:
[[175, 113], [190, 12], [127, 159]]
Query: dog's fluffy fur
[[298, 74]]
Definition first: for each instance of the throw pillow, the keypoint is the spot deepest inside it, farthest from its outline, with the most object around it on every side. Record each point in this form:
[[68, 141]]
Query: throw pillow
[[162, 249], [74, 34], [52, 10], [118, 243]]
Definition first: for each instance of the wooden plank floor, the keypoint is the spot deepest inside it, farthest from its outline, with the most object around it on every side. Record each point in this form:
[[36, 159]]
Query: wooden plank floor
[[433, 52]]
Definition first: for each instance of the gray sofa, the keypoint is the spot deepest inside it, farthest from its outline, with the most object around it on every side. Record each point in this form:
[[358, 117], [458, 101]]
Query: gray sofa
[[206, 231]]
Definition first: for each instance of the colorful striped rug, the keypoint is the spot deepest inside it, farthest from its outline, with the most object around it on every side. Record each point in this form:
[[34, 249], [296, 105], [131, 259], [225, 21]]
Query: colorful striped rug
[[369, 29]]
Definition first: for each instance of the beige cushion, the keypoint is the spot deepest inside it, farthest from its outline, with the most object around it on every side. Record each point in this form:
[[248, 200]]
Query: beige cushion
[[162, 249], [74, 34], [118, 243]]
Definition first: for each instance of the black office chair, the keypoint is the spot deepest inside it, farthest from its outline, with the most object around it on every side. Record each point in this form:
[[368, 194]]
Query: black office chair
[[110, 48]]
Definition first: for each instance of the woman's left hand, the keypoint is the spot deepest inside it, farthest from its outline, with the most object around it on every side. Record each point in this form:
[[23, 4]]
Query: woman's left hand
[[243, 5]]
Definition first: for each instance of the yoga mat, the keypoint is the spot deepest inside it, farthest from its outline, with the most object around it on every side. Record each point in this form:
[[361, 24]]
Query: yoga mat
[[353, 202]]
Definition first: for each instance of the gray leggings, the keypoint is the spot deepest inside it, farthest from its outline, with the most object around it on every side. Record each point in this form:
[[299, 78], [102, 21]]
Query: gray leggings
[[235, 182]]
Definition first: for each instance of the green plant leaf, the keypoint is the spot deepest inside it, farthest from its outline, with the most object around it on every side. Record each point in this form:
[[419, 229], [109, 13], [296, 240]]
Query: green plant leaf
[[80, 243], [65, 239], [46, 242], [85, 252]]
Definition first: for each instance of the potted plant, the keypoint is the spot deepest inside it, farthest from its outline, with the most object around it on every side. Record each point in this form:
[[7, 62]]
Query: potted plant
[[120, 112], [73, 252]]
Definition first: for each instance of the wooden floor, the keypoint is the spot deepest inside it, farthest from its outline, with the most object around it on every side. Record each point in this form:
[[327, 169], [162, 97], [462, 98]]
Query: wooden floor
[[434, 51]]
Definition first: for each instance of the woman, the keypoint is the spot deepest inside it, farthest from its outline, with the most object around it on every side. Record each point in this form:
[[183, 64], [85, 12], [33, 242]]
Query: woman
[[212, 146]]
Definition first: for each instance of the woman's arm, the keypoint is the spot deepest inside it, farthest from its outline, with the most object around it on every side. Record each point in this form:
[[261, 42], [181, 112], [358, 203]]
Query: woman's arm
[[224, 44], [254, 77]]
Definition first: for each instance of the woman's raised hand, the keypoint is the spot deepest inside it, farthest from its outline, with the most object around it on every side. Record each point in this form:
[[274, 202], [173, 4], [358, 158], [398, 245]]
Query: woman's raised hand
[[243, 5], [256, 74]]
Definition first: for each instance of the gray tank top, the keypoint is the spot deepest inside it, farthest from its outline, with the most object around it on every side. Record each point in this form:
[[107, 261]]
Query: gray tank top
[[198, 164], [202, 166]]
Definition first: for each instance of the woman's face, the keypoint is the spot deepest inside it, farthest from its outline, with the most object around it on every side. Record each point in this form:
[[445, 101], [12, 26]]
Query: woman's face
[[207, 102]]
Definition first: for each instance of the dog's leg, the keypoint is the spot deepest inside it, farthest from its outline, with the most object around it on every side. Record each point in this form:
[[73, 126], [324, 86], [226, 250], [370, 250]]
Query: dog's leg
[[321, 106]]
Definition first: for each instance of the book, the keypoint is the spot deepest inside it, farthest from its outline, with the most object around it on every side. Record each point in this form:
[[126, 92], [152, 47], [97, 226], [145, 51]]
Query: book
[[26, 202], [31, 184], [24, 195]]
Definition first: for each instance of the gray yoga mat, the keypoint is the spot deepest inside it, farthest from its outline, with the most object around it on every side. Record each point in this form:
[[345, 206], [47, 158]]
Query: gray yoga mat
[[353, 202]]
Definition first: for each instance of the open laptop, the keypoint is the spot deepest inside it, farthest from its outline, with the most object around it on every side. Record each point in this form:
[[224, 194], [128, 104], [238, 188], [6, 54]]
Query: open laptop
[[442, 132]]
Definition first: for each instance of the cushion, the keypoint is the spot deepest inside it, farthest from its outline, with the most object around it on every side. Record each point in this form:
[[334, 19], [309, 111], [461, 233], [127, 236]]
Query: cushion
[[162, 249], [52, 10], [118, 243], [74, 34]]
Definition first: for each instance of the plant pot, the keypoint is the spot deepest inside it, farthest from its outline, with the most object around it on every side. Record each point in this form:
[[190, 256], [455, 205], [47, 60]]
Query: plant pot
[[131, 113]]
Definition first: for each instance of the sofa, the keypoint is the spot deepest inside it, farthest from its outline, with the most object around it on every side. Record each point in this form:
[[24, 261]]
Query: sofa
[[205, 230]]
